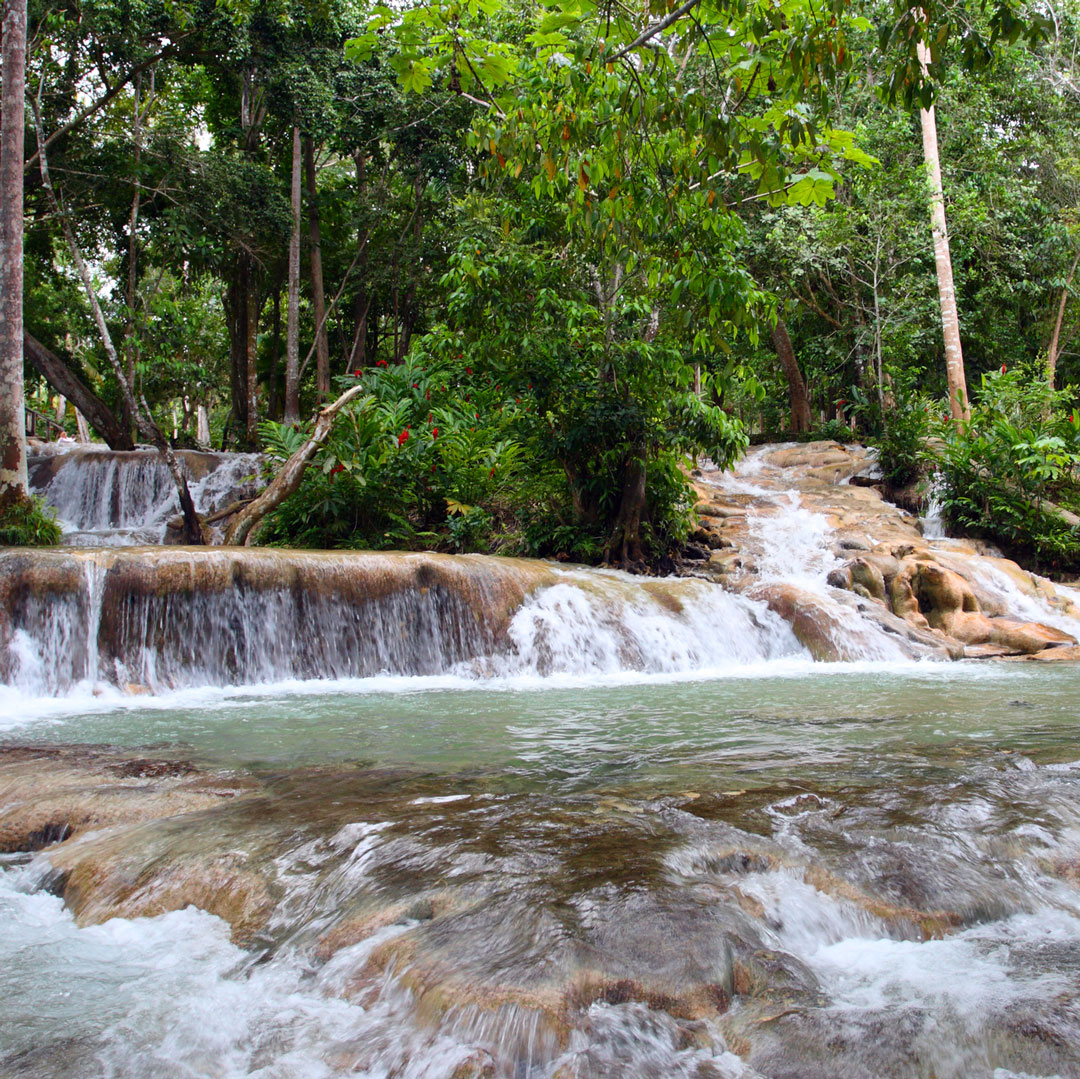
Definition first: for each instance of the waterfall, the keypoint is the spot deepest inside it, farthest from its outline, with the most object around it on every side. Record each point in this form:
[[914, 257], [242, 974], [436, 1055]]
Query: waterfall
[[178, 617], [113, 498], [933, 520]]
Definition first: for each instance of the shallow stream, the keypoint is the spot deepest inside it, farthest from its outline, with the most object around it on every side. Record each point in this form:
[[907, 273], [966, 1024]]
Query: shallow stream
[[786, 870]]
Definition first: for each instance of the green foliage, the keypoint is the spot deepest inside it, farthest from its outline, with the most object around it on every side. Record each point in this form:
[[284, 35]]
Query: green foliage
[[612, 388], [549, 241], [426, 457], [1004, 473], [899, 425], [834, 431], [28, 522]]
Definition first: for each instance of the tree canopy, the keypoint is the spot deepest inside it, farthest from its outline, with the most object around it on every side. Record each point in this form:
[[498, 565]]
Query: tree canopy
[[553, 242]]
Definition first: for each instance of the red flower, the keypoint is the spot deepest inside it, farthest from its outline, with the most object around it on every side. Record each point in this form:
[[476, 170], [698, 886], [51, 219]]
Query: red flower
[[427, 394], [403, 437], [381, 363], [1003, 368], [491, 473], [468, 370], [356, 374], [416, 385], [434, 432], [517, 400], [432, 468]]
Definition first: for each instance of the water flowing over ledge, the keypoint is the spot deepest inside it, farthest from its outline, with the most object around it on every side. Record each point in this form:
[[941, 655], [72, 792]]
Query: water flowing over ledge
[[167, 618], [109, 498], [795, 561]]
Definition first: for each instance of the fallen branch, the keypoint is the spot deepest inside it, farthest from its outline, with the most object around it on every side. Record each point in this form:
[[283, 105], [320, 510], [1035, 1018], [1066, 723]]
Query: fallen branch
[[288, 478]]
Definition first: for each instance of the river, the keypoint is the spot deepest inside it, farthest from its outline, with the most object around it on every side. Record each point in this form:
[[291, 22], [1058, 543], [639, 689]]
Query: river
[[531, 822]]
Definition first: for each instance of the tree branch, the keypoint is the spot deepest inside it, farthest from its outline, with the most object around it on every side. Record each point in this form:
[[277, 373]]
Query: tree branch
[[657, 28]]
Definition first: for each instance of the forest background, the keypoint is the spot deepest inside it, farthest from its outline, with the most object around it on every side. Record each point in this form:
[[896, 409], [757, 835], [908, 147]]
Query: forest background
[[556, 253]]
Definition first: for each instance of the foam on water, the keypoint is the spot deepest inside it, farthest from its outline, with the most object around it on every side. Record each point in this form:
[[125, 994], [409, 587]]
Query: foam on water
[[1020, 605], [933, 519], [588, 623], [171, 996], [795, 545], [594, 624]]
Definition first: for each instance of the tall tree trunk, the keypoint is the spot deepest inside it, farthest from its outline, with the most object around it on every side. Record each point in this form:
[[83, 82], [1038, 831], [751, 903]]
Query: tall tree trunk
[[14, 485], [292, 311], [318, 295], [131, 341], [800, 403], [241, 296], [235, 302], [624, 543], [273, 403], [1055, 337], [251, 358], [362, 302], [950, 320]]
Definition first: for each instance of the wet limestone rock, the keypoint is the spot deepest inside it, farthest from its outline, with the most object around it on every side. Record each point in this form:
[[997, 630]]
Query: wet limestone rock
[[944, 599], [51, 794]]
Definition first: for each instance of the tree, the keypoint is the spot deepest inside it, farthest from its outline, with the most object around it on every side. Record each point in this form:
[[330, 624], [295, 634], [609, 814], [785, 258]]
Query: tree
[[292, 310], [626, 166], [950, 320], [13, 476], [801, 420]]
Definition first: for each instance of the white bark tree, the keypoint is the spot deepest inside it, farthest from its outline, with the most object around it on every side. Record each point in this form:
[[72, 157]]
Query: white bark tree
[[950, 320]]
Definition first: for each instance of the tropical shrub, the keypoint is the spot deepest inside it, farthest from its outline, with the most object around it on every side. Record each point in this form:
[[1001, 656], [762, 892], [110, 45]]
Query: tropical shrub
[[28, 522], [425, 458], [1010, 471]]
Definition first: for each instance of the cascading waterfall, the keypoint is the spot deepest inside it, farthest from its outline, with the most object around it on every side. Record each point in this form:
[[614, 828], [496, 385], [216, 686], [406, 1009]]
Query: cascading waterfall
[[215, 617], [796, 870], [793, 550], [933, 519], [107, 498]]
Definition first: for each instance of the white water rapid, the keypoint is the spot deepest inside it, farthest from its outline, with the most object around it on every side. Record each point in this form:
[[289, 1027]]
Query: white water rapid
[[178, 618]]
